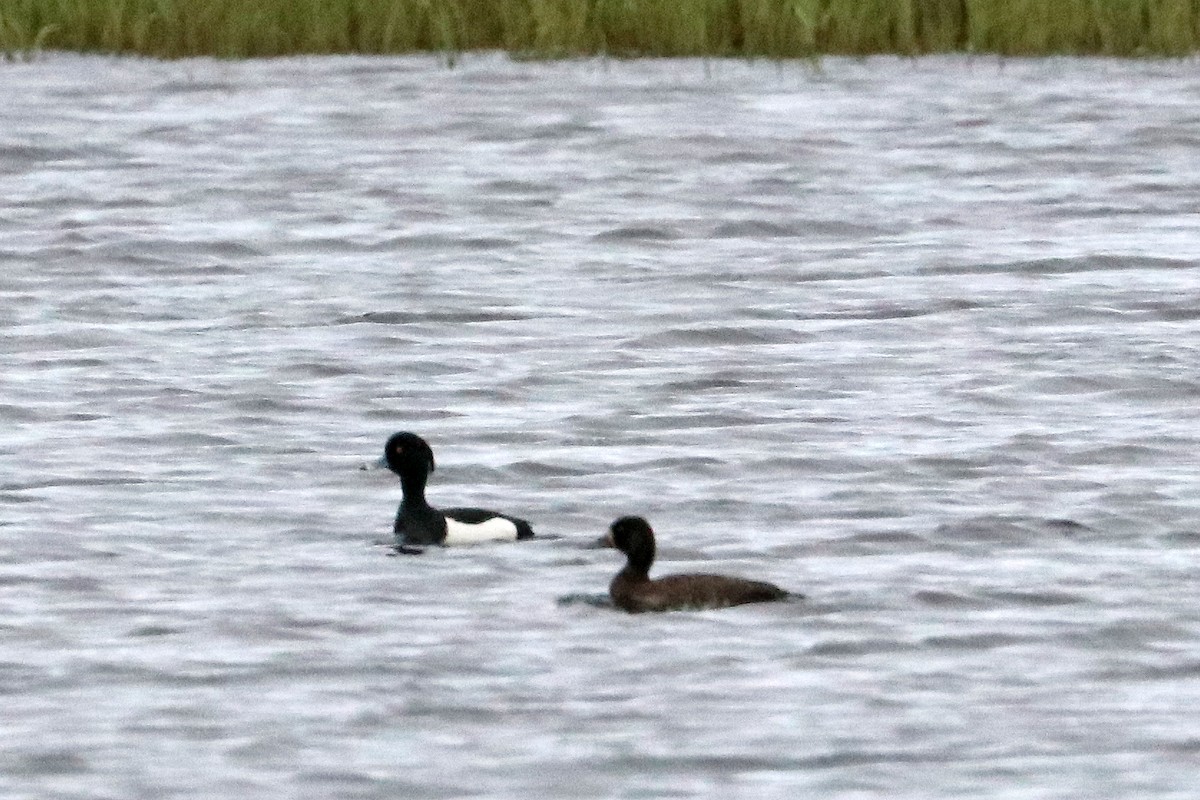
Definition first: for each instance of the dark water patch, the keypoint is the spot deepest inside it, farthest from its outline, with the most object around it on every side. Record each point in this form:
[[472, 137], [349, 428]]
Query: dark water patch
[[543, 469], [314, 246], [439, 317], [323, 369], [955, 468], [704, 384], [398, 419], [169, 132], [698, 420], [350, 785], [889, 311], [1064, 385], [125, 202], [1183, 538], [1093, 263], [198, 86], [17, 580], [211, 270], [1169, 310], [1008, 530], [730, 765], [859, 647], [807, 464], [722, 157], [973, 641], [679, 463], [946, 599], [1187, 746], [1036, 599], [558, 131], [82, 336], [172, 251], [1134, 634], [52, 762], [871, 511], [290, 627], [1187, 669], [14, 413], [841, 229], [1064, 526], [437, 241], [153, 631], [754, 229], [1123, 455], [1157, 389], [20, 157], [198, 439], [519, 187], [887, 539], [716, 336], [54, 483], [638, 233], [76, 362], [266, 405], [78, 584]]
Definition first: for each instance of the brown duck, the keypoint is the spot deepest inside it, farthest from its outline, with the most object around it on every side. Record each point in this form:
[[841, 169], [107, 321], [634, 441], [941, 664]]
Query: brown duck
[[633, 589]]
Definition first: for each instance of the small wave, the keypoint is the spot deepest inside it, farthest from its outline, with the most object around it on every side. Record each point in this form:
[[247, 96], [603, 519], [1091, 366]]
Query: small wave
[[149, 631], [1007, 529], [1169, 310], [1046, 598], [177, 86], [888, 311], [754, 229], [717, 335], [12, 155], [890, 538], [944, 599], [421, 317], [1126, 455], [1183, 538], [1061, 266], [435, 241], [542, 469], [972, 641], [858, 647], [518, 187], [52, 762], [637, 233]]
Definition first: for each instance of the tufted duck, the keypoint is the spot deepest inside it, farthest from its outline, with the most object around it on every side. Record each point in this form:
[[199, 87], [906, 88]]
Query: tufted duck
[[634, 590], [418, 523]]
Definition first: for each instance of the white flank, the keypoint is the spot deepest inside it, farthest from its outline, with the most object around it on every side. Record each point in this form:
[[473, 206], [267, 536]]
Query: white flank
[[496, 529]]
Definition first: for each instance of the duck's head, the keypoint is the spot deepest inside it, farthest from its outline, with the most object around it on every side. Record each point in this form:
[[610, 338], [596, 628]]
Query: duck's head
[[407, 453], [634, 537]]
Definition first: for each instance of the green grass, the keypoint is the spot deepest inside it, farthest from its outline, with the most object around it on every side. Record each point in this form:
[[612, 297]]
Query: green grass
[[560, 28]]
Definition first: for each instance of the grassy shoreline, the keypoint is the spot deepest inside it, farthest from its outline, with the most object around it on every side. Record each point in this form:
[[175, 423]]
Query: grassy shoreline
[[564, 28]]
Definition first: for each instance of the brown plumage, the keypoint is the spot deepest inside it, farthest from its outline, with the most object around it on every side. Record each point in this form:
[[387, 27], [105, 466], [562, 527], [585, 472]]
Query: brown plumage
[[633, 589]]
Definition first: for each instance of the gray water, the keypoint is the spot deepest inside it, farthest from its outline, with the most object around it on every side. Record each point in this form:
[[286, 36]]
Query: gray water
[[919, 339]]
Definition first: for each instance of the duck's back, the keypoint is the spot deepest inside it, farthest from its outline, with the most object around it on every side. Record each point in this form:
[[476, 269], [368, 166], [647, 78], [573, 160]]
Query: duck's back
[[679, 592]]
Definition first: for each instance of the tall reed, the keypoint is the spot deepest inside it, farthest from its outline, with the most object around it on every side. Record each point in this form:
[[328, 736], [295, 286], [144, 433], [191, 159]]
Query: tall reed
[[559, 28]]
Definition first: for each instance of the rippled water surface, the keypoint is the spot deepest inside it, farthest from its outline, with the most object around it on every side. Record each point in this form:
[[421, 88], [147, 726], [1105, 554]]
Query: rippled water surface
[[920, 339]]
